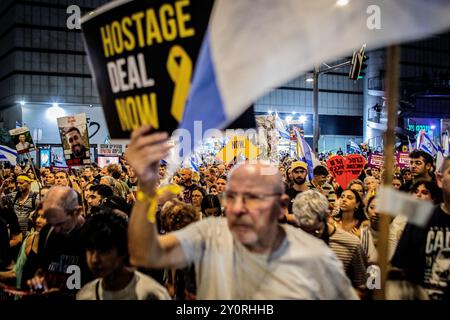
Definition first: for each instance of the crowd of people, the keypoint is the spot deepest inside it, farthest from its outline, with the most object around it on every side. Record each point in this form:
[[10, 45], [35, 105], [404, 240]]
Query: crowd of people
[[228, 231]]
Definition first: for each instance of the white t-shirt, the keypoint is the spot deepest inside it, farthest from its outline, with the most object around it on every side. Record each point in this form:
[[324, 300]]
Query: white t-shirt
[[303, 267], [141, 287]]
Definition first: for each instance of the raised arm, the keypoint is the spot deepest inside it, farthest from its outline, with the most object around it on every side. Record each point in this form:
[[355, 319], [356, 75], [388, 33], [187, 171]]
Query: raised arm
[[147, 248]]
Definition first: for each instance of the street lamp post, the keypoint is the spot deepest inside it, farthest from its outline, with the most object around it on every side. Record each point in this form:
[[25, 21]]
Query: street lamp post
[[316, 109], [316, 74]]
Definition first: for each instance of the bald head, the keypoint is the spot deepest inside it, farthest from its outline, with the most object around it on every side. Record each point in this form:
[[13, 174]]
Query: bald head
[[61, 209], [262, 173], [186, 176], [63, 197]]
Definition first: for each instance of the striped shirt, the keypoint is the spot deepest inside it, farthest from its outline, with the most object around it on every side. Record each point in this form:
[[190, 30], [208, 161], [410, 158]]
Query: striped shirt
[[326, 189], [23, 210], [348, 249]]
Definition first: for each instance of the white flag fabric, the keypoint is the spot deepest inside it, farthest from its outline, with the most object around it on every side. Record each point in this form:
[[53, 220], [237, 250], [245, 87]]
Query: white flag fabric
[[445, 142], [259, 45], [393, 202], [281, 127], [253, 46]]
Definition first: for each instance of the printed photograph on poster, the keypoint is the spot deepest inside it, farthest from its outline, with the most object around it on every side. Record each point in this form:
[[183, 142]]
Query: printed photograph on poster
[[22, 140], [75, 139], [104, 161], [110, 150], [45, 157], [57, 157]]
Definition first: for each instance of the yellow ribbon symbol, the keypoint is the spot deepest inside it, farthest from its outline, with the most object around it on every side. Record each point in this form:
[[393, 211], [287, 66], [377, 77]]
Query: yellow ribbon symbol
[[179, 66]]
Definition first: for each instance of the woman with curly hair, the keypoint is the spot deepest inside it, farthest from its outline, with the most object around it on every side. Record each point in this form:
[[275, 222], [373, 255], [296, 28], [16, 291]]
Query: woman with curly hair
[[175, 215]]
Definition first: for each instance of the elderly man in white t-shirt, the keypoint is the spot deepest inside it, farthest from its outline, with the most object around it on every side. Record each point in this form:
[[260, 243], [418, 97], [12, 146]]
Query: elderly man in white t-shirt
[[248, 254]]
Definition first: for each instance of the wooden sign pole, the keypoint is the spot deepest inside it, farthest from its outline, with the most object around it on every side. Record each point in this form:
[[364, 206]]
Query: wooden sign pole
[[391, 81]]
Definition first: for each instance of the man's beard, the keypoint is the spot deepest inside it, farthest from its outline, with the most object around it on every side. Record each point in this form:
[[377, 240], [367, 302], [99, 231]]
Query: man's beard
[[300, 181], [77, 150]]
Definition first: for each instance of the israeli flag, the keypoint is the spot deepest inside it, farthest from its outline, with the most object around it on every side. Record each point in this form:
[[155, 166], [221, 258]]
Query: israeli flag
[[427, 145], [194, 166], [252, 47], [304, 153], [354, 146], [445, 143], [8, 154], [281, 128]]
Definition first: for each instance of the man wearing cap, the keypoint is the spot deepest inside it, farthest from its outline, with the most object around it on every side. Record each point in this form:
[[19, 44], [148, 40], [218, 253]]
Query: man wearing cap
[[299, 171]]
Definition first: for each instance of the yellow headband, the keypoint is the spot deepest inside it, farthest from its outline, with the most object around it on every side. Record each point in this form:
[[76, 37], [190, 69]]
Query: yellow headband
[[23, 177]]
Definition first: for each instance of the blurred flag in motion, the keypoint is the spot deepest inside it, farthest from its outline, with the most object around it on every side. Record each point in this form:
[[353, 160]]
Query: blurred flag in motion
[[252, 47]]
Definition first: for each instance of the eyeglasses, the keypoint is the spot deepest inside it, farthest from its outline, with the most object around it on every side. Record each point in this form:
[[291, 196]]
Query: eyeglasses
[[248, 199]]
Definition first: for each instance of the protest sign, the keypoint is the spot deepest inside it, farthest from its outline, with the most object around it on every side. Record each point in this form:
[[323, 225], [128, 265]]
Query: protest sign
[[375, 160], [105, 161], [74, 139], [142, 55], [238, 145], [346, 169], [110, 150], [45, 157], [22, 140], [402, 159]]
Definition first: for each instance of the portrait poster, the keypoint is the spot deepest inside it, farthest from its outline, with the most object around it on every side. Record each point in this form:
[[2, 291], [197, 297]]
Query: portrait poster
[[22, 139], [75, 139]]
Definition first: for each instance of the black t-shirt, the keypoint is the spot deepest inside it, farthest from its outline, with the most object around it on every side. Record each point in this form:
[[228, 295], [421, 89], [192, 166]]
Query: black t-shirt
[[4, 245], [424, 253], [187, 193], [406, 187], [11, 220], [292, 193], [56, 253], [132, 184]]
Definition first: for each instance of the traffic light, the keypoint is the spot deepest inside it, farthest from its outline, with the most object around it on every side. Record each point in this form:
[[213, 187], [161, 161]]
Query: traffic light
[[358, 64]]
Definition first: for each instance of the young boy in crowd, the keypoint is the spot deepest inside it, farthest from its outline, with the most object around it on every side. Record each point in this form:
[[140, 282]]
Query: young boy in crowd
[[106, 243]]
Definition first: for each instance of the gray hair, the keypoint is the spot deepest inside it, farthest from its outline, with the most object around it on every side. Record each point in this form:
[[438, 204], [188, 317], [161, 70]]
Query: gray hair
[[310, 203], [70, 201]]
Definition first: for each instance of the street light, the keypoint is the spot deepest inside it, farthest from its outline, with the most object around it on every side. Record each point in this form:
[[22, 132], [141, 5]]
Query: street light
[[356, 66], [302, 119]]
